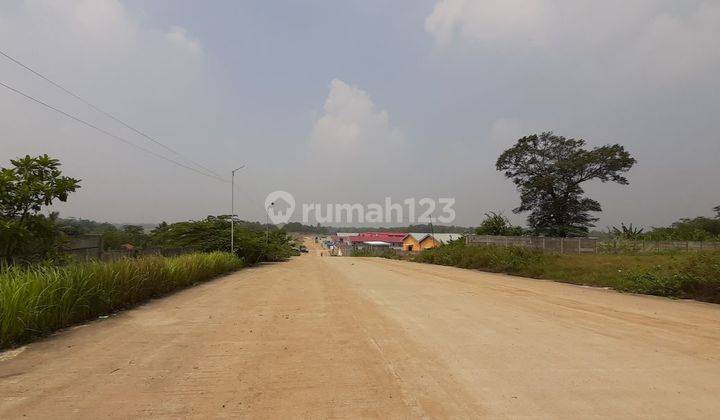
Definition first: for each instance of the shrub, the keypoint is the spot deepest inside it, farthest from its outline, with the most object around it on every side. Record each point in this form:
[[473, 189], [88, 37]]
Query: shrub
[[38, 300], [651, 282], [698, 277], [682, 275], [253, 242], [513, 260]]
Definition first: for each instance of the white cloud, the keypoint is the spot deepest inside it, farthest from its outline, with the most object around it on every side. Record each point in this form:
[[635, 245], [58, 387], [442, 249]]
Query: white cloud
[[142, 73], [178, 36], [98, 16], [352, 122], [489, 20], [353, 143], [677, 46], [660, 39]]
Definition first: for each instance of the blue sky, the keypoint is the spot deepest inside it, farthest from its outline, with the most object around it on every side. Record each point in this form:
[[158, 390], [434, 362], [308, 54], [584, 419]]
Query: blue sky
[[358, 100]]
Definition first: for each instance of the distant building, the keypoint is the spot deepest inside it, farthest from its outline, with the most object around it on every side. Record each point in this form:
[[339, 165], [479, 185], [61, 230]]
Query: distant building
[[392, 239], [341, 237], [419, 241], [411, 241], [346, 234]]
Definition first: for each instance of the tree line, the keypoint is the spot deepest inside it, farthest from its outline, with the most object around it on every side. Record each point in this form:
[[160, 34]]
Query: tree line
[[548, 170], [27, 235]]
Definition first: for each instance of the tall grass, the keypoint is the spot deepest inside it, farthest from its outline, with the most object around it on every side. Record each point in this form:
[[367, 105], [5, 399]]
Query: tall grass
[[697, 277], [38, 300], [694, 275], [511, 260]]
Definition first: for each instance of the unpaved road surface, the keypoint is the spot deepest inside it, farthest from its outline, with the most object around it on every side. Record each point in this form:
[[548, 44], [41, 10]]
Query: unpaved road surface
[[325, 337]]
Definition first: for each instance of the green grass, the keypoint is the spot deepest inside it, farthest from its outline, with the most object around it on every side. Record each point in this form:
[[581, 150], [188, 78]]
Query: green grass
[[694, 275], [38, 300]]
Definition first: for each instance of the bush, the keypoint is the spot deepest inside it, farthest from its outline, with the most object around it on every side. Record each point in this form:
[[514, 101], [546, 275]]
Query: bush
[[652, 282], [681, 275], [253, 242], [512, 260], [698, 277], [38, 300]]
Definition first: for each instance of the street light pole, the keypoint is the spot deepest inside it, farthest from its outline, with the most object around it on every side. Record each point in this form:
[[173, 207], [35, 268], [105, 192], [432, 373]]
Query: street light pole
[[267, 223], [232, 209]]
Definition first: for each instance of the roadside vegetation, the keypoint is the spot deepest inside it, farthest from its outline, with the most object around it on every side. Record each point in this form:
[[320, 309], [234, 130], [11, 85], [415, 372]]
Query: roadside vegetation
[[27, 236], [42, 289], [37, 300], [692, 275], [26, 186], [254, 243]]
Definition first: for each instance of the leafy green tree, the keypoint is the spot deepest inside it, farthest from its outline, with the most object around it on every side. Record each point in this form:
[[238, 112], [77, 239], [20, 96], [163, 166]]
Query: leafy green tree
[[253, 243], [716, 209], [498, 224], [626, 232], [695, 229], [549, 171], [113, 237], [28, 185], [135, 235]]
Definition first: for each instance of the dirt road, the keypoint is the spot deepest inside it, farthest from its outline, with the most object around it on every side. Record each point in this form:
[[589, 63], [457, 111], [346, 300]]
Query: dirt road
[[347, 337]]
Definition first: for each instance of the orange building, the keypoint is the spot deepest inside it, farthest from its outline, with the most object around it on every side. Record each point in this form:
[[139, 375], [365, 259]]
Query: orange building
[[419, 241], [411, 241]]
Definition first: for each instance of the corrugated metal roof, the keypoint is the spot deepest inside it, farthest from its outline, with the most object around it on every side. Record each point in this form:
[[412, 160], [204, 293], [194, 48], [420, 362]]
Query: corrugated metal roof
[[377, 243], [443, 238], [390, 237]]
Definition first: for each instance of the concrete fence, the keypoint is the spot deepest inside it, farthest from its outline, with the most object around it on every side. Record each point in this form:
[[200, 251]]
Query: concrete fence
[[90, 247], [656, 246], [548, 244], [589, 245], [85, 247]]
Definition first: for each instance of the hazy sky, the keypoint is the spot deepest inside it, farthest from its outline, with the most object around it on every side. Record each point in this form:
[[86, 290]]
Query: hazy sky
[[354, 101]]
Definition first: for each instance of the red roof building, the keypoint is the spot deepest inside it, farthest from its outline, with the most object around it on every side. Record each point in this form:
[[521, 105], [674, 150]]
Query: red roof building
[[393, 238]]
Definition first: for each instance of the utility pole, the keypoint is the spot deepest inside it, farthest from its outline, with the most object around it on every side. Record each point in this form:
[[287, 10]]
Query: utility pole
[[432, 231], [267, 223], [232, 209]]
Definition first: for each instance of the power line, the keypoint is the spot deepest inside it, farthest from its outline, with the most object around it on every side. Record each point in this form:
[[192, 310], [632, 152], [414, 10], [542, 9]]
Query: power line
[[107, 114], [107, 133]]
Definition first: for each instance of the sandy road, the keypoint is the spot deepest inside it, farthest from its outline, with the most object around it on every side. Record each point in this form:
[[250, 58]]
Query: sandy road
[[348, 337]]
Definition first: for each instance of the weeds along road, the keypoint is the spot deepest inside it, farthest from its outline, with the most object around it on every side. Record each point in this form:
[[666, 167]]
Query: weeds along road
[[350, 337]]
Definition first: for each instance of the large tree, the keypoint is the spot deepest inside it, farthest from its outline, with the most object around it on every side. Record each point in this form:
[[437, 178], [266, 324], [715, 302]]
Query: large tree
[[498, 224], [717, 211], [253, 243], [29, 184], [549, 171]]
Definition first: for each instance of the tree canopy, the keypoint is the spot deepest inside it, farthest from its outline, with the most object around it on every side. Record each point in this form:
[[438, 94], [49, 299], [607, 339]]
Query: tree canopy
[[253, 242], [28, 185], [688, 229], [498, 224], [549, 171], [31, 183]]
